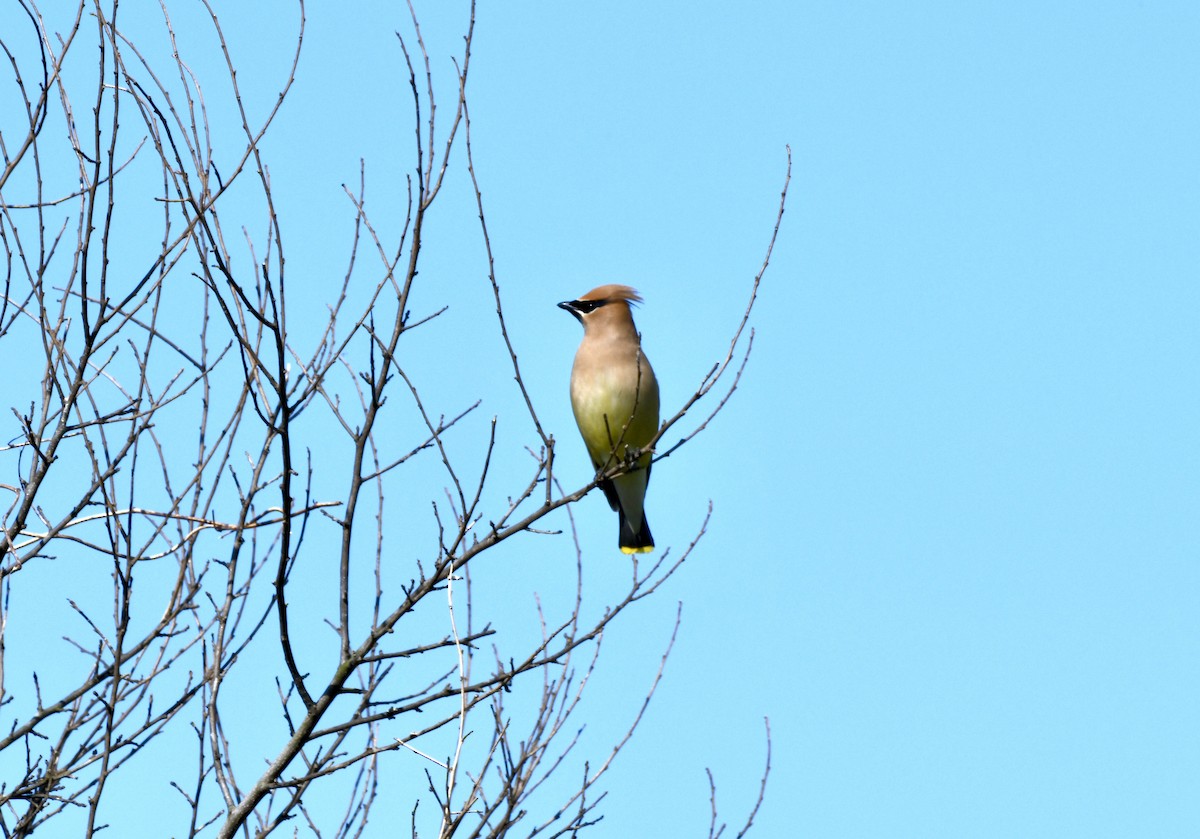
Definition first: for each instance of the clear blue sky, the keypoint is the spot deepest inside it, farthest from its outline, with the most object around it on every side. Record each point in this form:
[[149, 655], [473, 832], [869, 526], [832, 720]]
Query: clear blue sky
[[954, 554]]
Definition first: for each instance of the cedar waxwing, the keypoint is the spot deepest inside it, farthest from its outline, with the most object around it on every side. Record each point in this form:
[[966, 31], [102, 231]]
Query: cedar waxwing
[[615, 399]]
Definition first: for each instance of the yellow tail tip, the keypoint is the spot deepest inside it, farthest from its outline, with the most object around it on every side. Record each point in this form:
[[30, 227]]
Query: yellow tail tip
[[643, 550]]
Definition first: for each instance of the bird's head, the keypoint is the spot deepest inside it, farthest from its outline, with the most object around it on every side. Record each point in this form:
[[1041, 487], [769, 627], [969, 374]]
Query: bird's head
[[616, 299]]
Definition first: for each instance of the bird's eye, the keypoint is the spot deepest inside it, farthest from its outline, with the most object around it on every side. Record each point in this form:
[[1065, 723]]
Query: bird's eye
[[586, 306]]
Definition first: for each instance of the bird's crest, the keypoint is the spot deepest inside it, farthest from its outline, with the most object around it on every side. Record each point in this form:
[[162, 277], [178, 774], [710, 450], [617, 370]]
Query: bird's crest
[[613, 292]]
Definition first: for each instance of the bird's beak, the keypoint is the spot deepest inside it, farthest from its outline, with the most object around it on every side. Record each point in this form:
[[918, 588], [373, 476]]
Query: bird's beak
[[569, 305]]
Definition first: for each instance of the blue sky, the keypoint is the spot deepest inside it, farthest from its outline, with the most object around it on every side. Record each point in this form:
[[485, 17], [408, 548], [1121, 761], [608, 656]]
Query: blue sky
[[954, 554]]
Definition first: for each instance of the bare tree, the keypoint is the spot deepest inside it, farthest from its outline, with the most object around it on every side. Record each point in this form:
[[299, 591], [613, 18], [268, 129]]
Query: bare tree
[[164, 475]]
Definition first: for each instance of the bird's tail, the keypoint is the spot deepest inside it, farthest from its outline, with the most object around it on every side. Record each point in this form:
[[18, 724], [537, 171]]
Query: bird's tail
[[639, 542]]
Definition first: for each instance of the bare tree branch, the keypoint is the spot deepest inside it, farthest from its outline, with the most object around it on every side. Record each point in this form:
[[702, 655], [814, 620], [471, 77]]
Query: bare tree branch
[[198, 536]]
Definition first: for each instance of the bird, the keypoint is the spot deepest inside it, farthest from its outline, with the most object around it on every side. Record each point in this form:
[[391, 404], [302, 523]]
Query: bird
[[614, 396]]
